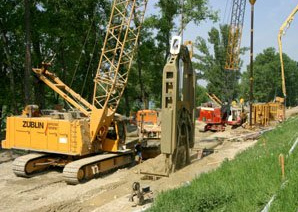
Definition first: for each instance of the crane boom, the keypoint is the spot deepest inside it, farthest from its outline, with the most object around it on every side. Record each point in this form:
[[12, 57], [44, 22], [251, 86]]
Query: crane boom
[[63, 90], [115, 61], [235, 34], [117, 52], [113, 69], [282, 30], [215, 99]]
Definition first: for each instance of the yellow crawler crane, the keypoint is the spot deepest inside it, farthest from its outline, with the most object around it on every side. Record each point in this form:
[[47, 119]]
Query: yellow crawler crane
[[77, 140]]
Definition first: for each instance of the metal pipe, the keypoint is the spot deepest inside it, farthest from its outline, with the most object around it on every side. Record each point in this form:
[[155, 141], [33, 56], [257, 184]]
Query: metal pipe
[[252, 2]]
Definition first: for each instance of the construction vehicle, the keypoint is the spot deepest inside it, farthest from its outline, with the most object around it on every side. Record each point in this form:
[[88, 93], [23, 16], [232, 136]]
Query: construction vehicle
[[218, 115], [214, 117], [177, 112], [173, 136], [148, 122], [281, 32], [237, 116], [88, 141], [217, 118], [149, 132], [211, 114], [178, 109]]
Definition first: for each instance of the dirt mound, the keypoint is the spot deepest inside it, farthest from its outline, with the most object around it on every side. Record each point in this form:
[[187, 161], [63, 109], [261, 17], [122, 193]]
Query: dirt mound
[[155, 165]]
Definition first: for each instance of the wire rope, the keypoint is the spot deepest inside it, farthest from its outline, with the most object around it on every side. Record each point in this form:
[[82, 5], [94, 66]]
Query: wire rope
[[223, 21], [83, 48], [89, 65]]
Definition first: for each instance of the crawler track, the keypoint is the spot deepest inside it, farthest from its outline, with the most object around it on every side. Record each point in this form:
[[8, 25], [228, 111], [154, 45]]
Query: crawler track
[[76, 171], [24, 166], [84, 169]]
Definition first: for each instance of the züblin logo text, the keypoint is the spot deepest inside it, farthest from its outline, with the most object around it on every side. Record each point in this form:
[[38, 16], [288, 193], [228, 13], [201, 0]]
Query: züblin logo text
[[32, 124]]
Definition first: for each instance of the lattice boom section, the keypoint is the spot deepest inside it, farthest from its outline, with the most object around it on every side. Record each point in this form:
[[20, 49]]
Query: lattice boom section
[[235, 34], [117, 53]]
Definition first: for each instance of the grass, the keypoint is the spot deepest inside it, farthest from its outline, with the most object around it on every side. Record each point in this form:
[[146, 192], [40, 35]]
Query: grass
[[246, 183], [287, 197]]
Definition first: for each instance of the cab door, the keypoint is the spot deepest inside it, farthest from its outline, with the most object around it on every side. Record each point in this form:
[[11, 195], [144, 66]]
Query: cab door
[[121, 134]]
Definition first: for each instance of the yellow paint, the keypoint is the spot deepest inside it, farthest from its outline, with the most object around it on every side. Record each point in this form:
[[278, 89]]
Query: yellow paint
[[252, 2], [46, 135]]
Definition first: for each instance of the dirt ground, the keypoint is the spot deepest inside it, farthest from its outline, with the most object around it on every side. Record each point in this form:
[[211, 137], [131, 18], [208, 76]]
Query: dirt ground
[[48, 192]]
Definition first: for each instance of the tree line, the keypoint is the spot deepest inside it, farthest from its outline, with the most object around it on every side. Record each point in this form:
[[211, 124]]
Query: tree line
[[231, 85], [70, 34]]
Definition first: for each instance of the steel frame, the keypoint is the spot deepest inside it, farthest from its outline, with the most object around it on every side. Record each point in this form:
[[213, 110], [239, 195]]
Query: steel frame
[[235, 35], [117, 53]]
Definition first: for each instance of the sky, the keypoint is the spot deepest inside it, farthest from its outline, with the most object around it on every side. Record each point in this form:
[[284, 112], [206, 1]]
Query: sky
[[269, 16]]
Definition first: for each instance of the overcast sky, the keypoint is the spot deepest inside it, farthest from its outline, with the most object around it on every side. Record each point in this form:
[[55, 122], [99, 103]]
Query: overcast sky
[[269, 16]]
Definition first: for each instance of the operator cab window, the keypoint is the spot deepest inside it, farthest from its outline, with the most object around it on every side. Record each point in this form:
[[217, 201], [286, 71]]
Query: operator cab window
[[112, 133]]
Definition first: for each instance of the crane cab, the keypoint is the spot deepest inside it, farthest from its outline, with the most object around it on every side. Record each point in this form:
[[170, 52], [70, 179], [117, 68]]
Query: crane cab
[[115, 139]]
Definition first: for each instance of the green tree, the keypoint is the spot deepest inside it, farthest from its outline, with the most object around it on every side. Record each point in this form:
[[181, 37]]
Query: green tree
[[267, 78], [69, 32], [201, 96], [210, 65], [12, 58], [154, 45], [164, 23], [27, 78]]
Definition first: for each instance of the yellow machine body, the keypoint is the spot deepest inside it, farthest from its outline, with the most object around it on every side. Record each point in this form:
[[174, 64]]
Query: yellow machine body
[[45, 134]]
